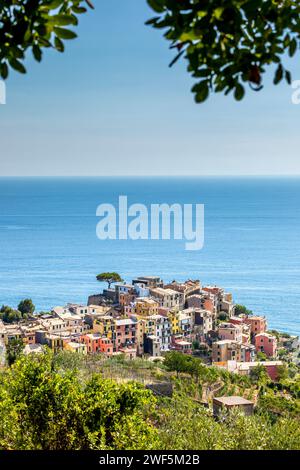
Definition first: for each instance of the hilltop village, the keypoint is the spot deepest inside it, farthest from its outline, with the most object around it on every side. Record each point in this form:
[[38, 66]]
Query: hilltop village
[[148, 318]]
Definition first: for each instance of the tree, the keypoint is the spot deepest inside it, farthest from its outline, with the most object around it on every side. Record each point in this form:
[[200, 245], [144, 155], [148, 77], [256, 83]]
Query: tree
[[9, 315], [179, 362], [282, 372], [259, 375], [175, 361], [47, 405], [261, 356], [185, 425], [26, 307], [229, 43], [242, 310], [45, 408], [35, 25], [223, 316], [14, 349], [110, 278]]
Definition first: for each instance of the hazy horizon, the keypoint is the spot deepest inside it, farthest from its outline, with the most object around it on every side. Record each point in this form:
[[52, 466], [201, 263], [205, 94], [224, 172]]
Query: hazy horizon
[[241, 176]]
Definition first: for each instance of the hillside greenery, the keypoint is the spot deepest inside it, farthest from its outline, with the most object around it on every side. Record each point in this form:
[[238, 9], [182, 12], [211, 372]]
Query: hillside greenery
[[67, 401]]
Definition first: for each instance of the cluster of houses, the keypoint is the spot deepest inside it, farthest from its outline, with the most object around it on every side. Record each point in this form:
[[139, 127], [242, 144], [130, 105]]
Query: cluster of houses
[[149, 318]]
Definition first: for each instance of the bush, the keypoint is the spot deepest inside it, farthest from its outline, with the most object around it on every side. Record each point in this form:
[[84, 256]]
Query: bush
[[43, 407]]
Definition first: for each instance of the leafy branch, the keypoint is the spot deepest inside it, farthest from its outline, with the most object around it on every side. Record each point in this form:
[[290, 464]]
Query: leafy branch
[[229, 43], [35, 25]]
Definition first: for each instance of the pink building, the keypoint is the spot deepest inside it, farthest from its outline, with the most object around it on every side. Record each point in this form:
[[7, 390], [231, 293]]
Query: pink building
[[203, 301], [244, 368], [182, 346], [257, 324], [266, 343], [125, 333], [272, 370], [230, 331]]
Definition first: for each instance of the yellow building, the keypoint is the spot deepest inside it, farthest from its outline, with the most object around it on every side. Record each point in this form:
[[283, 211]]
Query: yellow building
[[174, 321], [55, 342], [105, 326], [146, 307], [79, 348]]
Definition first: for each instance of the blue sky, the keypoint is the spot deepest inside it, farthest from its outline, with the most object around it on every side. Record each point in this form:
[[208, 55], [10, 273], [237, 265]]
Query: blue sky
[[111, 106]]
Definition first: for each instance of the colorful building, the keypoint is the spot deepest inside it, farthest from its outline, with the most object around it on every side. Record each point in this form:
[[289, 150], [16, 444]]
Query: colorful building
[[226, 350], [124, 333], [182, 346], [230, 331], [167, 298], [257, 324], [267, 344], [96, 343]]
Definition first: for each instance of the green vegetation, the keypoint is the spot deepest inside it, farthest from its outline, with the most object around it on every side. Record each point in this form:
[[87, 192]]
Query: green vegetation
[[261, 356], [226, 43], [35, 25], [14, 349], [186, 425], [229, 43], [223, 316], [110, 278], [242, 310], [42, 407], [59, 402], [9, 315], [26, 307], [259, 376]]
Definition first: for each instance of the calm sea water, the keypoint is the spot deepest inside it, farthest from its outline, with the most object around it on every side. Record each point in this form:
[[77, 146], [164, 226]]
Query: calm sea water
[[49, 250]]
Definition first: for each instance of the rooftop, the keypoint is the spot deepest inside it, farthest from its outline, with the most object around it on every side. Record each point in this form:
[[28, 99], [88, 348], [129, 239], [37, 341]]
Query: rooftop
[[232, 401], [266, 335], [226, 341], [183, 342], [228, 325], [247, 365], [75, 345], [255, 317], [125, 321], [162, 291]]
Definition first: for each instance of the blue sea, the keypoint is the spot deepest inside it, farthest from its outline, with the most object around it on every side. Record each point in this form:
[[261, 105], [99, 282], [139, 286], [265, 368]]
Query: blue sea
[[49, 250]]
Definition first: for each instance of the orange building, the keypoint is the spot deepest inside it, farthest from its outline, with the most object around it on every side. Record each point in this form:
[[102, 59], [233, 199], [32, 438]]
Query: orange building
[[257, 324], [96, 343]]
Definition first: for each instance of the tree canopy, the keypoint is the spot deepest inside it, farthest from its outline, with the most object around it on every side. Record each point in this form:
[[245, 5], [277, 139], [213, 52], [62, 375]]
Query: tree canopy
[[9, 315], [227, 43], [35, 25], [110, 278], [14, 349], [45, 408], [242, 310], [26, 306], [56, 402]]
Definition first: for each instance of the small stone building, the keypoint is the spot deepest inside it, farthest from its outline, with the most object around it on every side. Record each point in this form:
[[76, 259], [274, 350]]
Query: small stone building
[[229, 403]]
